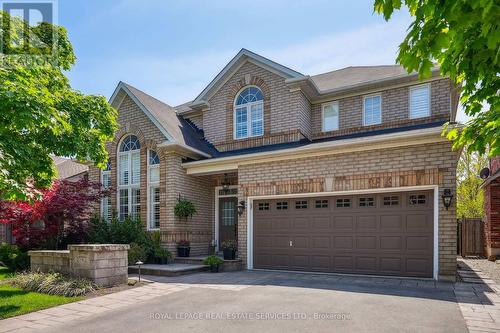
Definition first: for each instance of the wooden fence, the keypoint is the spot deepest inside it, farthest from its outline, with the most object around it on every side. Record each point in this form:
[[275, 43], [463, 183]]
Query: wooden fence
[[470, 237]]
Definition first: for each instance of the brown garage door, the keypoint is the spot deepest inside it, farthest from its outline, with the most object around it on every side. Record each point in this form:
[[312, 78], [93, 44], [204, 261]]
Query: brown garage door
[[380, 234]]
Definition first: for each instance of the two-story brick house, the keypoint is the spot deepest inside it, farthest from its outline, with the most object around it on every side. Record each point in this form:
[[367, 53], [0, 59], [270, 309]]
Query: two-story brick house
[[338, 172]]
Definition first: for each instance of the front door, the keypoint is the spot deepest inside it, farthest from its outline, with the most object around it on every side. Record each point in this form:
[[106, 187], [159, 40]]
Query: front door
[[228, 219]]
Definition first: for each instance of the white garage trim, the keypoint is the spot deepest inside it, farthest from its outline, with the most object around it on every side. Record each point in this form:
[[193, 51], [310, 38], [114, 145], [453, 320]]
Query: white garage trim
[[251, 199]]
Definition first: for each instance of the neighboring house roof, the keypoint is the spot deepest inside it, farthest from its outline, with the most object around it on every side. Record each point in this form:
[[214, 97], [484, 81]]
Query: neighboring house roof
[[176, 129], [67, 168]]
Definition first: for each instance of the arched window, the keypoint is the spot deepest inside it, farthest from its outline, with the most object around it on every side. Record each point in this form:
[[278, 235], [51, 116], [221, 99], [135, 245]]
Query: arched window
[[153, 190], [129, 176], [249, 113], [106, 211]]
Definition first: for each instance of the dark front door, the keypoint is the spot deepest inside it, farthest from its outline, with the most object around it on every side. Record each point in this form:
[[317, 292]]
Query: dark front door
[[228, 219]]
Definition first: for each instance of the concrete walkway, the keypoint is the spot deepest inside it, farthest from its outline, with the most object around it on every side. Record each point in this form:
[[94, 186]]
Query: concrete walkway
[[243, 301]]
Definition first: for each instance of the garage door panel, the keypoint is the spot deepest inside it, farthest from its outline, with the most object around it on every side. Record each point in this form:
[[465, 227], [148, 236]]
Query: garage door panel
[[343, 222], [391, 265], [391, 223], [366, 242], [384, 234], [344, 242], [366, 264], [321, 242], [391, 243], [366, 223]]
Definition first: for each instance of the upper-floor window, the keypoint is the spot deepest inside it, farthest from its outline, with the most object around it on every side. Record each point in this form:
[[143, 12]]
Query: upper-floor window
[[249, 113], [129, 174], [372, 110], [330, 116], [420, 101]]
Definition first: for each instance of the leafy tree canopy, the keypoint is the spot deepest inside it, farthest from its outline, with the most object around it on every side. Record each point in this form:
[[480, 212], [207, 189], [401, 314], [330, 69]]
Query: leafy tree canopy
[[470, 196], [463, 36], [40, 114]]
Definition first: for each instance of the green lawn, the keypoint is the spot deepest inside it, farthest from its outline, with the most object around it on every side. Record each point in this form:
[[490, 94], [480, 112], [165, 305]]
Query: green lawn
[[5, 273], [15, 301]]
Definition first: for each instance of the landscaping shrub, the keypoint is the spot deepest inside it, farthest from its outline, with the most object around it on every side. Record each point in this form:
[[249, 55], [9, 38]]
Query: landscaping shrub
[[53, 284], [136, 253], [13, 258]]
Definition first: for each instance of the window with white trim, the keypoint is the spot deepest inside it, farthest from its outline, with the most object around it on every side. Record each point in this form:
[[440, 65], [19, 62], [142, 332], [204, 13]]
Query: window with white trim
[[106, 209], [330, 116], [129, 176], [372, 110], [420, 101], [153, 190], [249, 113]]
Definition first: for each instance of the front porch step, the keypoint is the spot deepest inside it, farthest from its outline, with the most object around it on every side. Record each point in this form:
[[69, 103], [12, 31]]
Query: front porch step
[[174, 269], [227, 266]]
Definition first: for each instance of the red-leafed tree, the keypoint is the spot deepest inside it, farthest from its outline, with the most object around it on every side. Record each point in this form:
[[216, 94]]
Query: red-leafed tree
[[60, 217]]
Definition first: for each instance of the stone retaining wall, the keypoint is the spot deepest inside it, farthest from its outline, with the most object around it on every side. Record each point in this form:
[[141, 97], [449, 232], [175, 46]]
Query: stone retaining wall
[[105, 264]]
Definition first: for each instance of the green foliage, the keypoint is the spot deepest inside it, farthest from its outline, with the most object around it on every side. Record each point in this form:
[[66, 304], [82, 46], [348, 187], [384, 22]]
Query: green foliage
[[470, 197], [464, 38], [158, 250], [5, 273], [136, 253], [213, 261], [53, 284], [13, 258], [184, 208], [18, 301], [229, 245], [130, 231], [40, 114]]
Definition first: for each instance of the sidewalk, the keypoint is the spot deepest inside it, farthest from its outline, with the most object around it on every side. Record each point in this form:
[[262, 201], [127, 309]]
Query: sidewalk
[[80, 310]]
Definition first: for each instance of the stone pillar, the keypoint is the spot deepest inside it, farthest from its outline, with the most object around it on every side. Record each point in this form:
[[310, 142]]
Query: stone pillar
[[105, 264]]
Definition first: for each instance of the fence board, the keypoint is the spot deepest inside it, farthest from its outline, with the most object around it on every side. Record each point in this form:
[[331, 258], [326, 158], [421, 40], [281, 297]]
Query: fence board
[[470, 237]]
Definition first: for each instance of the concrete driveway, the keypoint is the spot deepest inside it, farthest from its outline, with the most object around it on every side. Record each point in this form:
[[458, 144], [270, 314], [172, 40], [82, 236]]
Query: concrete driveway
[[282, 302]]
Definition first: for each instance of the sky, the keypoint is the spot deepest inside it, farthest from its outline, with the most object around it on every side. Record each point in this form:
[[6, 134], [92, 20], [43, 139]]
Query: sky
[[172, 49]]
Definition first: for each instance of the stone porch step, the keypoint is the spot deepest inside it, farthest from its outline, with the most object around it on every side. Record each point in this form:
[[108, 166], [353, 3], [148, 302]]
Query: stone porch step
[[174, 269], [228, 266]]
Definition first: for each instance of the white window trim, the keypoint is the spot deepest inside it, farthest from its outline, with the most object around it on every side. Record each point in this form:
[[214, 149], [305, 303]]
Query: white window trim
[[364, 111], [105, 172], [428, 86], [248, 107], [151, 184], [130, 187], [323, 106]]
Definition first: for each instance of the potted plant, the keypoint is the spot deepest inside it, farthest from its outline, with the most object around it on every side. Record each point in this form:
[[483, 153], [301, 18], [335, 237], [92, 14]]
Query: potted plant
[[184, 208], [214, 262], [229, 249], [162, 255], [183, 248]]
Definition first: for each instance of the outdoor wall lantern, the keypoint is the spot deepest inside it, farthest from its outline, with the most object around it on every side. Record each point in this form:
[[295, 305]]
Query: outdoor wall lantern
[[241, 207], [447, 196], [225, 183]]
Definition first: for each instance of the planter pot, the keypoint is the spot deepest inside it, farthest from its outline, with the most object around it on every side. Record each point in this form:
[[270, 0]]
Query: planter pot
[[183, 251], [160, 261], [229, 254], [214, 269]]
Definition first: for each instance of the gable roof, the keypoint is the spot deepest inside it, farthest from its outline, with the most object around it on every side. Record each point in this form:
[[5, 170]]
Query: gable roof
[[243, 56], [176, 129], [67, 168]]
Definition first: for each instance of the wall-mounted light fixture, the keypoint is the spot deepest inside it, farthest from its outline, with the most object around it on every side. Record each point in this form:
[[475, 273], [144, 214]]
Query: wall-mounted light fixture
[[241, 207], [225, 183], [447, 196]]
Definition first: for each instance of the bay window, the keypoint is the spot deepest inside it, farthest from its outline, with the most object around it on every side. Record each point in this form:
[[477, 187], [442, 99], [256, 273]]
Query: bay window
[[153, 190]]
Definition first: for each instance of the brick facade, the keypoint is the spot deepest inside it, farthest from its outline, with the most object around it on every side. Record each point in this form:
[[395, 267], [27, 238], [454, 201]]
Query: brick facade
[[430, 164]]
